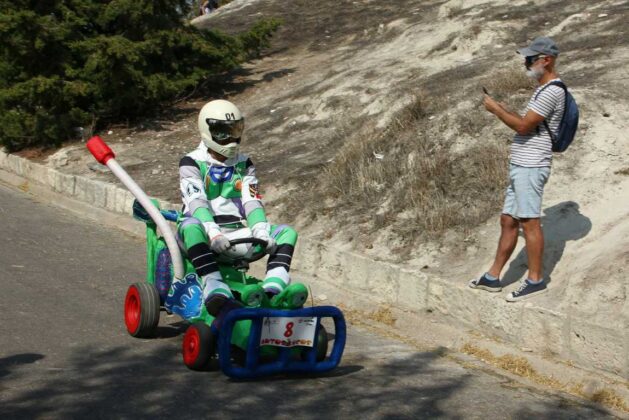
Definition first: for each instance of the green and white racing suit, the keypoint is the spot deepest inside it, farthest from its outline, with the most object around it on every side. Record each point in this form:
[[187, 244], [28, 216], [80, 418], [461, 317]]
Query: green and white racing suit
[[220, 196]]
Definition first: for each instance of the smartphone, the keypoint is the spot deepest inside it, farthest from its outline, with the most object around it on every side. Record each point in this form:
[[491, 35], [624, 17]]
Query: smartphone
[[485, 90]]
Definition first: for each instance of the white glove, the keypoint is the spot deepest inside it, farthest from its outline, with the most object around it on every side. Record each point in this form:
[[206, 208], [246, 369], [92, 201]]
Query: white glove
[[261, 231], [218, 242]]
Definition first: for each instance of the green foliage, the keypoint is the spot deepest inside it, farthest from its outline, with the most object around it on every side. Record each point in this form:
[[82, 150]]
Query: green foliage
[[71, 63], [259, 36]]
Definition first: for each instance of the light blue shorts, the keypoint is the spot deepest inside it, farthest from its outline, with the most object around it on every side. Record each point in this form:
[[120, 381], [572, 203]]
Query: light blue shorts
[[523, 199]]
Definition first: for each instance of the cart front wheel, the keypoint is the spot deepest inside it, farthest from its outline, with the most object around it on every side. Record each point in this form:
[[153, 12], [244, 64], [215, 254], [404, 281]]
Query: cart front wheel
[[141, 309], [199, 346]]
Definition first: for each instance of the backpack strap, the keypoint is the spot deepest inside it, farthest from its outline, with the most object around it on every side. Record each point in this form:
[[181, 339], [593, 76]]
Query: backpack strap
[[565, 89]]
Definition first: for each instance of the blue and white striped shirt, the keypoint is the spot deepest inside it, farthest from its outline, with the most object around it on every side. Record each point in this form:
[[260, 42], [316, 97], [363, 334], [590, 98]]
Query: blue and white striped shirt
[[534, 150]]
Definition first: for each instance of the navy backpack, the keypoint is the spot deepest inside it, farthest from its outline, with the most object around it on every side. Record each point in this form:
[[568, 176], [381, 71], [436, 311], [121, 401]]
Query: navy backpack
[[569, 121]]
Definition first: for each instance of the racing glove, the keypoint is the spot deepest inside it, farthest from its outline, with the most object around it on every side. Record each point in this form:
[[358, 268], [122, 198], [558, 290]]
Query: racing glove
[[261, 231], [218, 242]]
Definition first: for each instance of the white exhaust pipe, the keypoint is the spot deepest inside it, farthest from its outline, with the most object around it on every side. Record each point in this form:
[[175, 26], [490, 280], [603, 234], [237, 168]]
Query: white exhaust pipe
[[104, 155]]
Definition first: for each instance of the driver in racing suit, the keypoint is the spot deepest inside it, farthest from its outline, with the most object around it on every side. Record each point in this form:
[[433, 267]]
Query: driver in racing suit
[[220, 191]]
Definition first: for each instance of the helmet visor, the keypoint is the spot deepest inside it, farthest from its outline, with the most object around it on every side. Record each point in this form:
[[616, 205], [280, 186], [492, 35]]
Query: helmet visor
[[225, 132]]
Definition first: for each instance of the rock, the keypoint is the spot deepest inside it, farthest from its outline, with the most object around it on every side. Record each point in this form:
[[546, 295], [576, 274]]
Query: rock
[[591, 387], [97, 167], [59, 159], [472, 249]]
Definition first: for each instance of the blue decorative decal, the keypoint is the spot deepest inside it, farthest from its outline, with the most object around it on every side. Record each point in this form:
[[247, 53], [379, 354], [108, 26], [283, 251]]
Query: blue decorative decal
[[185, 297], [221, 173], [163, 273]]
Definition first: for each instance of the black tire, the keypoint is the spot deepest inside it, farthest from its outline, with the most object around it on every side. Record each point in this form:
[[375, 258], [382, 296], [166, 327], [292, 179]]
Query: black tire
[[141, 309], [239, 356], [199, 346], [322, 345]]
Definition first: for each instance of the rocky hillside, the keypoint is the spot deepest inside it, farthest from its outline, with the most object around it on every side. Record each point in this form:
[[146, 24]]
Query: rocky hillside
[[366, 124]]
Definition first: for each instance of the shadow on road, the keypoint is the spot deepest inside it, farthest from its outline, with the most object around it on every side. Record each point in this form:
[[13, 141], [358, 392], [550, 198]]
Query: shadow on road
[[6, 363], [120, 382], [171, 330]]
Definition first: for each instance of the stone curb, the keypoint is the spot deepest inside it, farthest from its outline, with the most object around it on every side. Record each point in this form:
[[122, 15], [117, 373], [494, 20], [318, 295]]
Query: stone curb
[[548, 332]]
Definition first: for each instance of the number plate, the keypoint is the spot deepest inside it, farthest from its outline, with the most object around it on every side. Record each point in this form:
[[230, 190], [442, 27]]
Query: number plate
[[288, 332]]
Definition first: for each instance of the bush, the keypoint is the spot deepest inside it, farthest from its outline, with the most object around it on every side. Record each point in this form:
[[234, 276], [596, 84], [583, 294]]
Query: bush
[[72, 63]]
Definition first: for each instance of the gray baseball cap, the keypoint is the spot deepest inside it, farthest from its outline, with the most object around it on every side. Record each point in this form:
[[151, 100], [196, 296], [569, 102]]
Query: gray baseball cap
[[541, 45]]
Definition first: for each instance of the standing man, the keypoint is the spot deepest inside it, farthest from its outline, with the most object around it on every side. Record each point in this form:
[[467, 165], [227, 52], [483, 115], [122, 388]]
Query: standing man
[[529, 169]]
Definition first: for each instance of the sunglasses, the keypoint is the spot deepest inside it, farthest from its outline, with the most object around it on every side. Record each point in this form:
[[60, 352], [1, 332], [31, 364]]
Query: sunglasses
[[528, 61]]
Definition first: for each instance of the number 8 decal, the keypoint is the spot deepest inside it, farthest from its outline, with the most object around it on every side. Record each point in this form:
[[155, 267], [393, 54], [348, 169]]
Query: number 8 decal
[[289, 330]]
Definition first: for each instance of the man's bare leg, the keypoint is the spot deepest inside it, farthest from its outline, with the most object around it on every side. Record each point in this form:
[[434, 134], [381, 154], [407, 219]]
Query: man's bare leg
[[534, 238], [508, 239]]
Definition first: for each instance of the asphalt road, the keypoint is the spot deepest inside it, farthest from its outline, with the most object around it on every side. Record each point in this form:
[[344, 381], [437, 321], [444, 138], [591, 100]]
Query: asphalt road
[[64, 351]]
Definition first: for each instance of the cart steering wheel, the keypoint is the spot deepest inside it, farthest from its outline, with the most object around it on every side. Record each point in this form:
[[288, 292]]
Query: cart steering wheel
[[255, 255]]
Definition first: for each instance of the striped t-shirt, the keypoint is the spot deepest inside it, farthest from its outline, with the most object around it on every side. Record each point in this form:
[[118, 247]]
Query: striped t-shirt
[[534, 150]]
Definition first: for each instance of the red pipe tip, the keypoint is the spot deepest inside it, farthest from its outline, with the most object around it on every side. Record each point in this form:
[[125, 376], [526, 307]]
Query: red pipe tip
[[99, 149]]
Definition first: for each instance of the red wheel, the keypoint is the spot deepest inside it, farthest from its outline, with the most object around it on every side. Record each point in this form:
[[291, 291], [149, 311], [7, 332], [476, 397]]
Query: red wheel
[[199, 345], [141, 309]]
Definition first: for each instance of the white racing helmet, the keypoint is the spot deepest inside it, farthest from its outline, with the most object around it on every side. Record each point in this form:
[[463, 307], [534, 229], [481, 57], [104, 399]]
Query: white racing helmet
[[221, 125]]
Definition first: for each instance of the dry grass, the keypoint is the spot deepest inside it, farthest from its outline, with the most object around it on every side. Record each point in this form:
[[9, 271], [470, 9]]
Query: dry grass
[[419, 173], [439, 166], [514, 364], [609, 398], [383, 315], [509, 81], [522, 367], [24, 186]]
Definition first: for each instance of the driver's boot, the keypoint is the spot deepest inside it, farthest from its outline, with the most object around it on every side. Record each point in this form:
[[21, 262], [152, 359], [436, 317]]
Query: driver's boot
[[252, 295], [219, 306], [292, 297]]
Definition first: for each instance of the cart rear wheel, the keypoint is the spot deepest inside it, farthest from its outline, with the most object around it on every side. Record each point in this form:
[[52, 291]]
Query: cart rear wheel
[[322, 345], [141, 309], [199, 346]]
